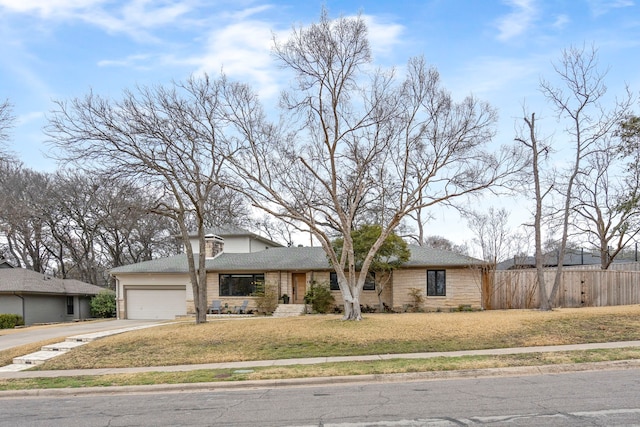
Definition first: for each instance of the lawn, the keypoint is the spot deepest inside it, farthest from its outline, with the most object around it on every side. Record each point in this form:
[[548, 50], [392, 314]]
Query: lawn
[[326, 335]]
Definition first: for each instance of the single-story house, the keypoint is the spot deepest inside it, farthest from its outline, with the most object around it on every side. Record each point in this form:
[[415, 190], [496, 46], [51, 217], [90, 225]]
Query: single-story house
[[160, 289], [40, 298]]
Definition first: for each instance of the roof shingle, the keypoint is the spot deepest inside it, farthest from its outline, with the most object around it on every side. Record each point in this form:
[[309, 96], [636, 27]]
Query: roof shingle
[[287, 259]]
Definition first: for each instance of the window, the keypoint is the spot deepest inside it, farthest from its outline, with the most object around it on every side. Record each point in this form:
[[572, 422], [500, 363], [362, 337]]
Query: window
[[370, 282], [69, 305], [239, 285], [333, 281], [436, 283]]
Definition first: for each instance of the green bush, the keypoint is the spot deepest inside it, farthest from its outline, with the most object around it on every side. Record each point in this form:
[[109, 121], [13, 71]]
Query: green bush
[[320, 298], [266, 298], [104, 304], [10, 321]]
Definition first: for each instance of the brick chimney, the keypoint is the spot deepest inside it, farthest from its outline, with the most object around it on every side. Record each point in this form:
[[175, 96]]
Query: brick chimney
[[214, 245]]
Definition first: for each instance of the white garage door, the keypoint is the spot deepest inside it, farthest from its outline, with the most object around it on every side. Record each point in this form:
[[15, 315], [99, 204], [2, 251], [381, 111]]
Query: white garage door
[[156, 303]]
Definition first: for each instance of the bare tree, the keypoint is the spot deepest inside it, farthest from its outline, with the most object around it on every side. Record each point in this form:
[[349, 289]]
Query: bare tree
[[22, 217], [442, 243], [607, 206], [6, 123], [361, 138], [168, 139], [579, 102], [492, 234], [275, 229]]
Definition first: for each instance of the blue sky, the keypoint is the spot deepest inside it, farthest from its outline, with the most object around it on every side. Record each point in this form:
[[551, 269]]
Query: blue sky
[[495, 49]]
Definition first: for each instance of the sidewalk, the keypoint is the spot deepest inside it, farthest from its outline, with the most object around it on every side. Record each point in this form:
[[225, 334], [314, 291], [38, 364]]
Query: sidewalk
[[315, 360]]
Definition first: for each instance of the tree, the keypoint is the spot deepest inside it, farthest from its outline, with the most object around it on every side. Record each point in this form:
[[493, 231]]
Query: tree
[[607, 206], [6, 123], [579, 101], [357, 139], [23, 216], [492, 234], [169, 140], [392, 254], [444, 244]]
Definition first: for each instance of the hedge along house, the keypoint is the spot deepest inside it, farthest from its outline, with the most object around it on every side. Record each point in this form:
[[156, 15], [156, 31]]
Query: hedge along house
[[40, 298], [160, 289]]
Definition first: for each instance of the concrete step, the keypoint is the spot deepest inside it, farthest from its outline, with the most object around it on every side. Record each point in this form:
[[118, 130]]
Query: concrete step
[[36, 358], [290, 310], [63, 346], [50, 351]]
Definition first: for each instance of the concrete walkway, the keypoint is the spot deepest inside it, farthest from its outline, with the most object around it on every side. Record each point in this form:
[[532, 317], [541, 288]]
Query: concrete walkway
[[10, 338]]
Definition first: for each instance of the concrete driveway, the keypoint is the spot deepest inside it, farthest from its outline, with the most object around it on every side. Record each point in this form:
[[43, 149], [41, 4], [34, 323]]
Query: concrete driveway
[[16, 337]]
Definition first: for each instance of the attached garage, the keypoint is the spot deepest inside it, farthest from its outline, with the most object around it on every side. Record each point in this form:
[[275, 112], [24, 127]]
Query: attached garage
[[155, 303]]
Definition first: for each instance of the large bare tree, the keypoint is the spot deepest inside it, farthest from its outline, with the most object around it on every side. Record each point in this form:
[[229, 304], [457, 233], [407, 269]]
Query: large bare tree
[[361, 139], [607, 206], [7, 120], [168, 139], [579, 103], [23, 217], [492, 234]]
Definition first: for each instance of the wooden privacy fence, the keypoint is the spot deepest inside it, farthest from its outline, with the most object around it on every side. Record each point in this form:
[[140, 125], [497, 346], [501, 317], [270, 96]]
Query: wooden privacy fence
[[578, 288]]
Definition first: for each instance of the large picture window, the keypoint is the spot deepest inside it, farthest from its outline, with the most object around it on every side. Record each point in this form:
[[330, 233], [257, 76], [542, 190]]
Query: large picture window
[[333, 281], [370, 282], [436, 283], [239, 285]]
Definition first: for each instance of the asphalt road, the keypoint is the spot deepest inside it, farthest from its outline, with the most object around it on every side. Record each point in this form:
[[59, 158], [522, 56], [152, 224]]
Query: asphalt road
[[22, 336], [597, 398]]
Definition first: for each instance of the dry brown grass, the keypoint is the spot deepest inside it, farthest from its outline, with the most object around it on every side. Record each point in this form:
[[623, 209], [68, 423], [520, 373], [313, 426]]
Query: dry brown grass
[[310, 336]]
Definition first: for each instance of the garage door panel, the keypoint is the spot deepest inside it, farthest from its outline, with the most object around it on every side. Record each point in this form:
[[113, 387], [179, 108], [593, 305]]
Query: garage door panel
[[155, 303]]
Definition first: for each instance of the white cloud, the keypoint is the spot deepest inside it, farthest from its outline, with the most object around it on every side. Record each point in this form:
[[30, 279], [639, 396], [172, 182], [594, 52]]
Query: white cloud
[[601, 7], [561, 22], [517, 22], [382, 36], [134, 18], [243, 51], [49, 8]]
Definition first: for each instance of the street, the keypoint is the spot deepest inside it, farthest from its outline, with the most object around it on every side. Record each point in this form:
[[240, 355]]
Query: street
[[603, 398]]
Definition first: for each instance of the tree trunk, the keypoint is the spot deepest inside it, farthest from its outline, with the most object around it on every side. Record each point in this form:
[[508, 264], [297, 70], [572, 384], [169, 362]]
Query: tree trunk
[[352, 310]]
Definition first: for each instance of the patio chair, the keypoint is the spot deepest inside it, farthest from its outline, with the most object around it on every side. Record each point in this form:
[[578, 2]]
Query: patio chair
[[216, 306], [241, 309]]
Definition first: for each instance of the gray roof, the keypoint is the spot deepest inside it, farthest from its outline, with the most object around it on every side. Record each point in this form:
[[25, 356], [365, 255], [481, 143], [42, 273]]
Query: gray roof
[[235, 231], [20, 280], [289, 259], [572, 257]]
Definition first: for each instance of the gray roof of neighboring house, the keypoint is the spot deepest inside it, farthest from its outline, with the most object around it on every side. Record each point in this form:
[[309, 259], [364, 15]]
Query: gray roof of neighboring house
[[234, 231], [287, 259], [572, 257], [20, 280]]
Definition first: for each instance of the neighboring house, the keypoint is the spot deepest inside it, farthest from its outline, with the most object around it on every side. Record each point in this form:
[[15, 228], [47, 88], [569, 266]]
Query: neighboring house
[[40, 298], [160, 289], [572, 258], [5, 264]]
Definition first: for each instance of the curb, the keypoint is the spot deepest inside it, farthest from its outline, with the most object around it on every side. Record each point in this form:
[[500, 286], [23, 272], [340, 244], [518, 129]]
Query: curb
[[320, 381]]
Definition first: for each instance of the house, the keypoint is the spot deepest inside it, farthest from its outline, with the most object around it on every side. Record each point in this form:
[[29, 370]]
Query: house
[[40, 298], [160, 289], [572, 258]]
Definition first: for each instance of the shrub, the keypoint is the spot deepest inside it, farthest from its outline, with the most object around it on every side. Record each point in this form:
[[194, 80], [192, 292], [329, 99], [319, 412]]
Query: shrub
[[266, 298], [417, 299], [9, 321], [320, 298], [104, 304]]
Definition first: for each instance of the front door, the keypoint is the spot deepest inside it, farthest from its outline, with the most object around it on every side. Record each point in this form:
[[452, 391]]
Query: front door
[[299, 287]]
